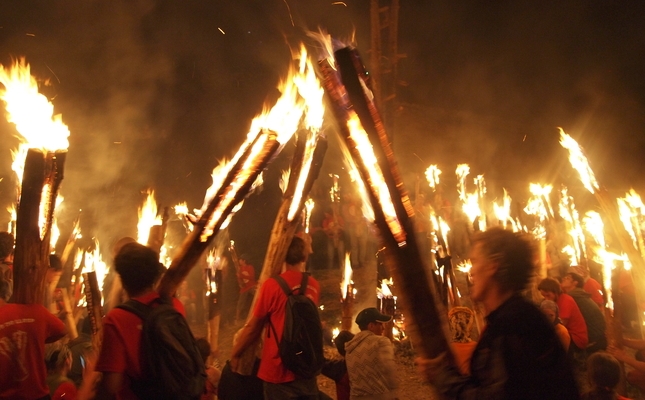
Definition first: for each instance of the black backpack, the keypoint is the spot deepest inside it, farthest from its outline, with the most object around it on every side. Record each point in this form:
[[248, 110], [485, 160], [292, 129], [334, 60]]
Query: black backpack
[[171, 365], [301, 347]]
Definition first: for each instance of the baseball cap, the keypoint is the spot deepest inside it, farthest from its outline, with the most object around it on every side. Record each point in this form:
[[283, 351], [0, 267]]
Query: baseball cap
[[371, 314]]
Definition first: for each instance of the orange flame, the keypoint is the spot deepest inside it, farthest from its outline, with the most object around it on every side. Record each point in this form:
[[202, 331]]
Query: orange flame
[[384, 291], [347, 277], [579, 161], [147, 217], [570, 215], [593, 225], [30, 111], [375, 178], [309, 206], [432, 175], [284, 180], [462, 172]]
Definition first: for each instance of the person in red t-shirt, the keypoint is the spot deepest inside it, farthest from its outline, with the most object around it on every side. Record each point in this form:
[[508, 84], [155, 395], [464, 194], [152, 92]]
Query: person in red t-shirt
[[139, 268], [570, 314], [279, 382], [24, 330], [590, 286], [247, 282]]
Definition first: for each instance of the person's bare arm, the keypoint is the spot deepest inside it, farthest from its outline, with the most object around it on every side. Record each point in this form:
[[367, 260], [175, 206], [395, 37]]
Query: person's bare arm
[[635, 344], [622, 356], [565, 322], [249, 334]]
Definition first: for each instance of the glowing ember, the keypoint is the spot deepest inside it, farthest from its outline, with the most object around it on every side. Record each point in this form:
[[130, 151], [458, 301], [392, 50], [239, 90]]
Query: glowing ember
[[147, 218], [30, 111], [347, 277], [375, 178], [181, 209], [432, 175], [579, 161]]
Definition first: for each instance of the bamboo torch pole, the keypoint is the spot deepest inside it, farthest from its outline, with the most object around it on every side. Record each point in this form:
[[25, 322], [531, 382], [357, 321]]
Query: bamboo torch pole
[[94, 309], [427, 324], [43, 174], [284, 228], [234, 189]]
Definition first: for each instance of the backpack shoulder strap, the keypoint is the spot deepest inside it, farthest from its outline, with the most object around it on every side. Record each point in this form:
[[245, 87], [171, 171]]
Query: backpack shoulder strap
[[283, 284], [303, 283], [137, 308]]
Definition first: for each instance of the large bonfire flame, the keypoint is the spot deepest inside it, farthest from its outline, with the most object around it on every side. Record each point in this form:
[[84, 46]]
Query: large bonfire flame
[[34, 118]]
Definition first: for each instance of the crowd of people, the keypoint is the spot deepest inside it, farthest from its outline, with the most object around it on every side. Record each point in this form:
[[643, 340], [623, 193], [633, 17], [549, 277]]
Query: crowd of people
[[525, 351]]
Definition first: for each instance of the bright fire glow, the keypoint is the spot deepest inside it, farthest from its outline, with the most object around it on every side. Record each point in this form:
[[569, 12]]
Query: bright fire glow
[[94, 262], [181, 209], [539, 206], [594, 226], [281, 120], [147, 217], [30, 111], [503, 211], [307, 162], [335, 332], [375, 178], [55, 231], [284, 180], [309, 207], [432, 175], [465, 266], [568, 212], [630, 210], [355, 177], [579, 161], [347, 277], [462, 172], [384, 291]]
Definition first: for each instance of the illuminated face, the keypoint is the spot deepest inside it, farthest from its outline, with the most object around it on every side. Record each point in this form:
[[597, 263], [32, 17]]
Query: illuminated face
[[550, 314], [481, 273]]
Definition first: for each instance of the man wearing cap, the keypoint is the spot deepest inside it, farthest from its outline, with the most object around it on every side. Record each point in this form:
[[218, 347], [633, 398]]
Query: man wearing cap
[[370, 359]]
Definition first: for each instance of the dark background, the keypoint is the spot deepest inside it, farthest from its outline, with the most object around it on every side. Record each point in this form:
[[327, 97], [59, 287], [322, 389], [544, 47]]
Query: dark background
[[155, 95]]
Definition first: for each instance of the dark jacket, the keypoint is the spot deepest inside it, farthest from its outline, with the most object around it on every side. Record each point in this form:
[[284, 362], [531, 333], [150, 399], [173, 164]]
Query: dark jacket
[[594, 318], [518, 357]]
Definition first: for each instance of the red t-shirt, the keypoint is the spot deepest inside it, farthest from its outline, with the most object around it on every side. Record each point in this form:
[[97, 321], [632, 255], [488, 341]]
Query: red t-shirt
[[592, 287], [24, 329], [576, 324], [271, 303], [121, 343], [247, 277]]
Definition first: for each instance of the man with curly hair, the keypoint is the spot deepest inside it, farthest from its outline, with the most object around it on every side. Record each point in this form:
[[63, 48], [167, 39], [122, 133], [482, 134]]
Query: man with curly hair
[[518, 355]]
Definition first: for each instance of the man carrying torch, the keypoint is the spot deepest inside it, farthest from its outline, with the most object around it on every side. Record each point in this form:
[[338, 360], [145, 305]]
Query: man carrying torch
[[518, 355]]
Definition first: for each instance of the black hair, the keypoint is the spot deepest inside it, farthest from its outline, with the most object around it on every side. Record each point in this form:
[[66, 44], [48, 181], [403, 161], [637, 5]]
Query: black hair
[[603, 371], [6, 244], [203, 347], [577, 278], [550, 285], [514, 253], [55, 262], [297, 251], [5, 289], [138, 266]]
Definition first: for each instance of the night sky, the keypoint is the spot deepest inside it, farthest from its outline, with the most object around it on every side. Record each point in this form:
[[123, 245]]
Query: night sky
[[155, 94]]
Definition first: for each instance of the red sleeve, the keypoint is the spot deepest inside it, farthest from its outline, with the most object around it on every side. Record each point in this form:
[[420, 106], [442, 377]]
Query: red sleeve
[[65, 391], [55, 327], [113, 354], [179, 306]]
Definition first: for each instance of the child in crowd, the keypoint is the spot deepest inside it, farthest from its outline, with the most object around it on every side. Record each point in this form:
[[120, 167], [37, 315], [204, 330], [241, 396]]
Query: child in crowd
[[212, 374], [550, 309], [58, 359], [603, 372]]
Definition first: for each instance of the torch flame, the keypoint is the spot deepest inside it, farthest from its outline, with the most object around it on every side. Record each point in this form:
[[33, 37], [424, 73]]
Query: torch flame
[[375, 178], [30, 111], [309, 206], [462, 172], [385, 289], [147, 217], [284, 180], [579, 161], [347, 277], [432, 175]]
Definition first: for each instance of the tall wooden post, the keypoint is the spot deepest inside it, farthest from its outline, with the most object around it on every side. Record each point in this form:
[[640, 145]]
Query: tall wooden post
[[43, 174]]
